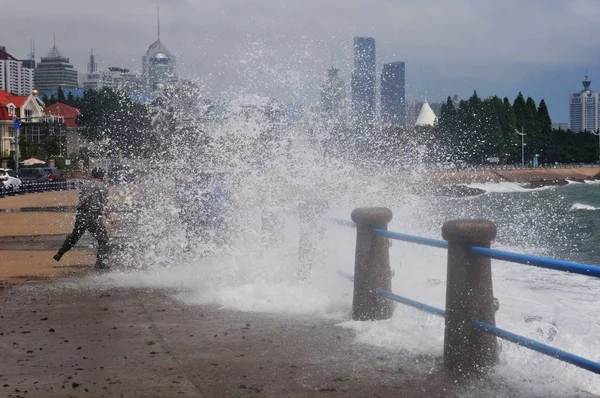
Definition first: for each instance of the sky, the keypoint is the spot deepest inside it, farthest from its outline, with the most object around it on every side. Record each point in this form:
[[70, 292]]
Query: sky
[[282, 48]]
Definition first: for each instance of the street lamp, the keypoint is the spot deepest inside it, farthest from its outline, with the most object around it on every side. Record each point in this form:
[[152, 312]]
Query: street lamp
[[598, 134], [522, 134], [16, 126]]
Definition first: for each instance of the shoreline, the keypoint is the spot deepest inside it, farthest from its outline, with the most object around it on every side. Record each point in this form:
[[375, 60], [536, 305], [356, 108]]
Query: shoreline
[[454, 183]]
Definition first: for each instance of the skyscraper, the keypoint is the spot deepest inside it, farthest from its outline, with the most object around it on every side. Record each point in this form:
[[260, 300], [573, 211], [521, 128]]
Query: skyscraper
[[363, 81], [158, 65], [15, 77], [333, 96], [54, 71], [584, 112], [393, 93], [94, 78]]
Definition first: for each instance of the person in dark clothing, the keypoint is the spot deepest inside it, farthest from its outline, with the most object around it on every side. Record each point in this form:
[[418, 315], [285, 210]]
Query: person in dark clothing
[[93, 200]]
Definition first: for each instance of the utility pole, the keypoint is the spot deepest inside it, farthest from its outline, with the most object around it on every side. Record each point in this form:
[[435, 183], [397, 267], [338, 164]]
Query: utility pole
[[522, 134]]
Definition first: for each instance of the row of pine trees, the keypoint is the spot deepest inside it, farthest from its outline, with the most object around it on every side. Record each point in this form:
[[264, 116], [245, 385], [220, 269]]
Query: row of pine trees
[[477, 130]]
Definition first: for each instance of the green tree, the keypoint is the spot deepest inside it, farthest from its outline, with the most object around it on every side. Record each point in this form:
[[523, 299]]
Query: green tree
[[60, 95], [71, 99], [120, 125]]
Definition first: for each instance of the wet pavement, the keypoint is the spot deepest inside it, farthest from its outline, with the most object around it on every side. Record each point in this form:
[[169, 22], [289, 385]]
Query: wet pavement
[[72, 339], [42, 242]]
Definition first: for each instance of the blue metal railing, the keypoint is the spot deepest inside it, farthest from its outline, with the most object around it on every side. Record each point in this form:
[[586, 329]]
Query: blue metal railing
[[412, 238], [549, 263], [411, 303], [539, 347]]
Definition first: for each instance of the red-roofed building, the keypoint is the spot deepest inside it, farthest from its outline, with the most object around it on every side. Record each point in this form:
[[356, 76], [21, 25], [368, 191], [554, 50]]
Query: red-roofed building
[[35, 125], [26, 108], [69, 115], [67, 112]]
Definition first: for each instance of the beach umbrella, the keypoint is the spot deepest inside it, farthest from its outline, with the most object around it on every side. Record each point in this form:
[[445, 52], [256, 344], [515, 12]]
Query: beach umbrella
[[32, 161]]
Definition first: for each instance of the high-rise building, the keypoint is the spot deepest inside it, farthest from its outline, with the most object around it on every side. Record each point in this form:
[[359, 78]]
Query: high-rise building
[[54, 71], [363, 81], [126, 81], [333, 97], [95, 79], [584, 112], [393, 94], [15, 78], [158, 65]]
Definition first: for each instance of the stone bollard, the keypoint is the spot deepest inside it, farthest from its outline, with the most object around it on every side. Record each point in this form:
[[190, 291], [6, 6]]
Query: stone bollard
[[371, 265], [469, 296], [312, 231]]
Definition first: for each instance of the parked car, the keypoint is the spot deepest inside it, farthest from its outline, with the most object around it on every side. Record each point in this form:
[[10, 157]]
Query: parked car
[[55, 174], [34, 175], [9, 179]]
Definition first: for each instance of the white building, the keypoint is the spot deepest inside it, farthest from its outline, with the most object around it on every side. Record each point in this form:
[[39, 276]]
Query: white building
[[584, 109], [426, 116], [124, 80], [95, 79], [14, 77]]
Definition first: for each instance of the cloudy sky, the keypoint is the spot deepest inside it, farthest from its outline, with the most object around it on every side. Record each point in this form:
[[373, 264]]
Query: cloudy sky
[[283, 47]]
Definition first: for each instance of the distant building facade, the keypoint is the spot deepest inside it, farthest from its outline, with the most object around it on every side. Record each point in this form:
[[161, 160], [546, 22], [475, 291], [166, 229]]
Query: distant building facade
[[55, 71], [158, 65], [94, 79], [333, 97], [363, 81], [125, 81], [584, 109], [15, 77], [393, 94]]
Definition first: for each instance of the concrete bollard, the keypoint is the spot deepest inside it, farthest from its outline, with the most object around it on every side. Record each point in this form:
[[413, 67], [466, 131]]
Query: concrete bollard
[[371, 265], [469, 296], [312, 231]]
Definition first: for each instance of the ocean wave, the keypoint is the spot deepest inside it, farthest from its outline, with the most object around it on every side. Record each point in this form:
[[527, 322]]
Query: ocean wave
[[583, 206], [505, 186]]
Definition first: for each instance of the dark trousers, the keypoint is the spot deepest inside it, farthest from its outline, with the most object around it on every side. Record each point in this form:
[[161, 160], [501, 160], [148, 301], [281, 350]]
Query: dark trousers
[[91, 222]]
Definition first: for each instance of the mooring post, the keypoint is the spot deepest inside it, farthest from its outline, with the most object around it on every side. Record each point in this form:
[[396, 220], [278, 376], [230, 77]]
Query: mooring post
[[469, 296], [311, 233], [371, 265]]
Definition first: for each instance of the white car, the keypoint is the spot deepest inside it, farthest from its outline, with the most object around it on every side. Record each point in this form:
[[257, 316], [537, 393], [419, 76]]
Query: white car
[[9, 179]]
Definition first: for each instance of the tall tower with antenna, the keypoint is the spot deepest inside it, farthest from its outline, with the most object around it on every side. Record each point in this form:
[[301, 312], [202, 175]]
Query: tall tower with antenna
[[158, 65], [92, 66]]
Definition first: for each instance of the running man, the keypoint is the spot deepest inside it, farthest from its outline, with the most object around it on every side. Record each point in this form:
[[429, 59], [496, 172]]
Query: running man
[[93, 201]]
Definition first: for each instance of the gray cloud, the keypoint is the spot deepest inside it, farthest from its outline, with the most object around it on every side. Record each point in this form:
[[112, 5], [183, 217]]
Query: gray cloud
[[284, 46]]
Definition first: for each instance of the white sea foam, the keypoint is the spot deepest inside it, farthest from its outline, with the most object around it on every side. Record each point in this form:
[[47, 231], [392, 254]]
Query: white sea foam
[[583, 206], [504, 187]]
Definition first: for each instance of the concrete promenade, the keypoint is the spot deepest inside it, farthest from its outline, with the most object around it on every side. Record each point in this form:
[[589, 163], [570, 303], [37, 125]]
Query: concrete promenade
[[63, 334], [68, 339]]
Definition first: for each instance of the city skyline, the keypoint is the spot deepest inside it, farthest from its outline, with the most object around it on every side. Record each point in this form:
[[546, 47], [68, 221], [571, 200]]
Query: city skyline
[[538, 48]]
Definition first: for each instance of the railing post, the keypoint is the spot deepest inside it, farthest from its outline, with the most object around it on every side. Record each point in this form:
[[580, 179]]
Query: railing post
[[311, 233], [371, 265], [469, 296]]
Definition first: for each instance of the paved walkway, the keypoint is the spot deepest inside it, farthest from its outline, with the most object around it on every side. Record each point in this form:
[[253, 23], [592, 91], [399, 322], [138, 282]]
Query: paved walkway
[[67, 339]]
